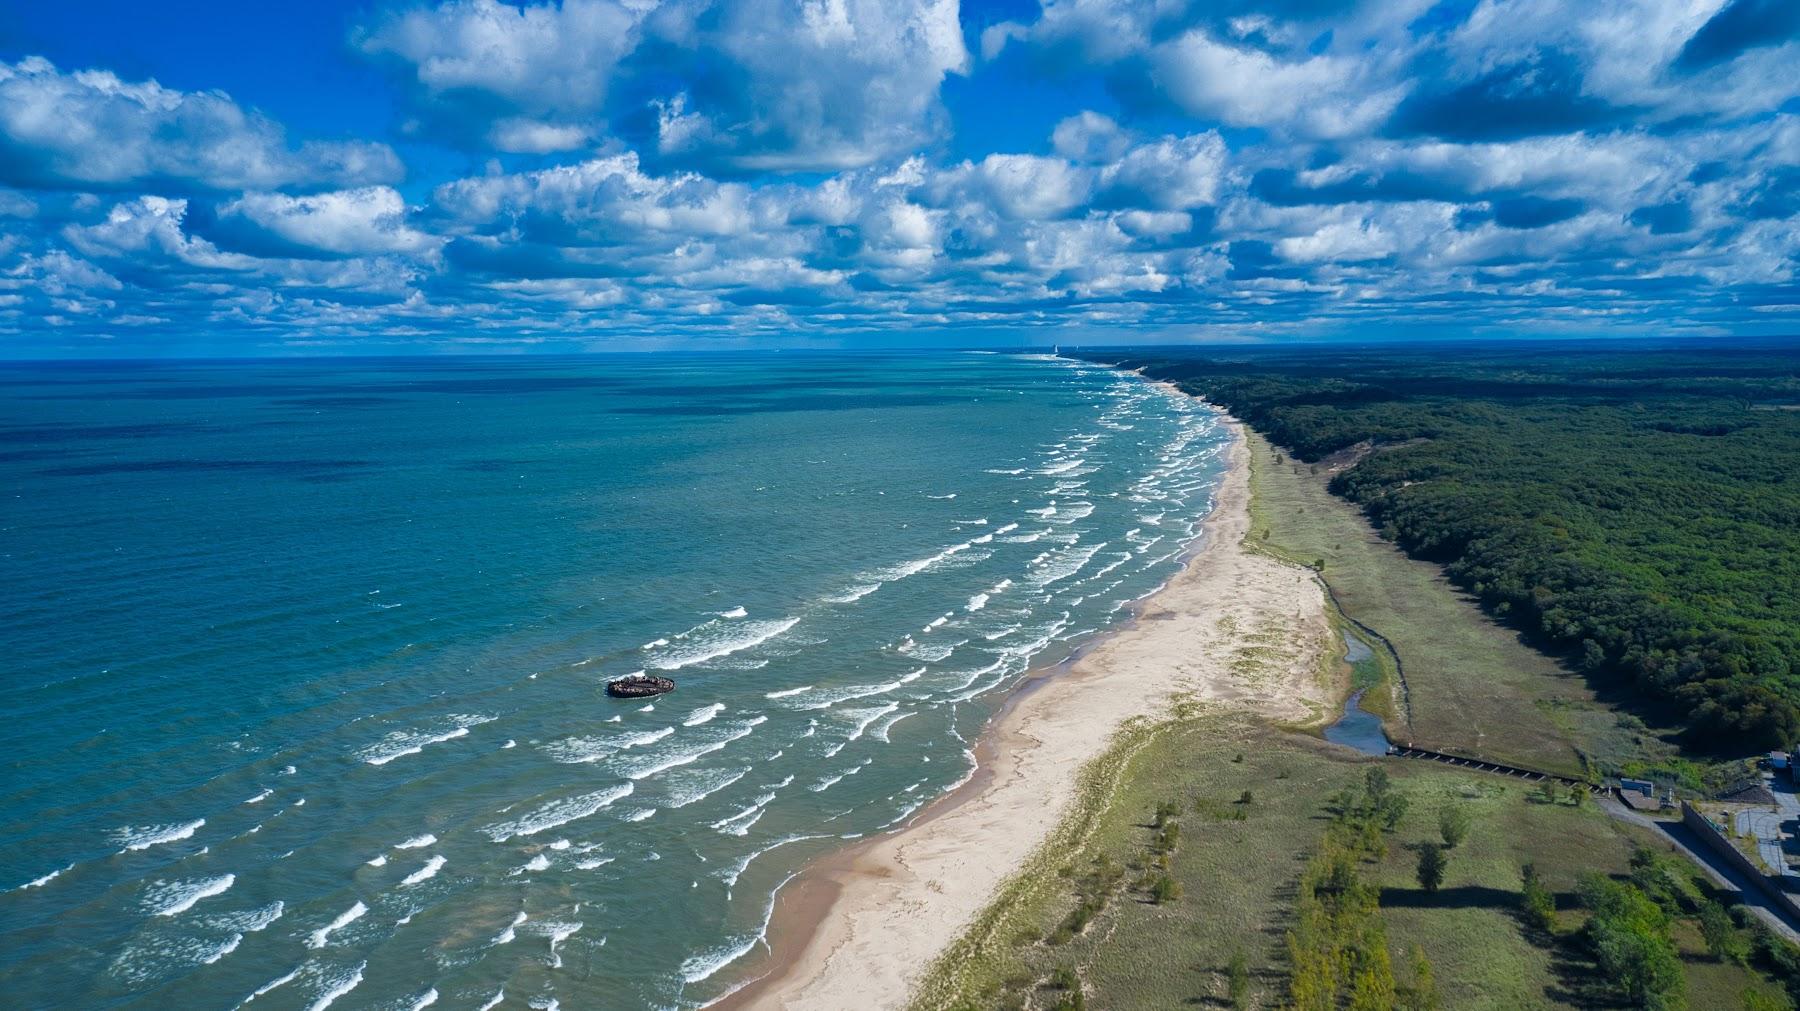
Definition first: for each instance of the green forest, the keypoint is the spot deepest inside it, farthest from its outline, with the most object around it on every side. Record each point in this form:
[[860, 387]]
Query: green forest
[[1632, 507]]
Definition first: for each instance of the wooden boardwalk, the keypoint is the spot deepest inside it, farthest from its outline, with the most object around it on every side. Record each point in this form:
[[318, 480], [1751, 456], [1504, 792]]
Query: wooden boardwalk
[[1482, 765]]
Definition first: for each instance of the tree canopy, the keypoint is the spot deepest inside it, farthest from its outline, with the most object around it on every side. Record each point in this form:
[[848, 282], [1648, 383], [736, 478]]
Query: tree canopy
[[1635, 508]]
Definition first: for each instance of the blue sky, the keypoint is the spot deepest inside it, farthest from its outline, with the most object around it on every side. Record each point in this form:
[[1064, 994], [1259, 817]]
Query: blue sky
[[229, 178]]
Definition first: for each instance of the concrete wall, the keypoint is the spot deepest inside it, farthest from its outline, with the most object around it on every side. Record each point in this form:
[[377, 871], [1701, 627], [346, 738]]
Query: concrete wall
[[1692, 818]]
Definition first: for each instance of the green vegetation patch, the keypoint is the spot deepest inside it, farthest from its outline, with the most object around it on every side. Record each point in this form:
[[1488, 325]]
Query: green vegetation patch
[[1185, 886], [1629, 510]]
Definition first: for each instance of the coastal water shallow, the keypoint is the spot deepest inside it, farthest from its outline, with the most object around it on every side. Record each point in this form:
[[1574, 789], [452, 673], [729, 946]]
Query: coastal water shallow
[[311, 656]]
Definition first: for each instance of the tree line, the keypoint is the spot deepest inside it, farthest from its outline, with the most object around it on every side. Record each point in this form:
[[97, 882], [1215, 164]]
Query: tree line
[[1635, 509]]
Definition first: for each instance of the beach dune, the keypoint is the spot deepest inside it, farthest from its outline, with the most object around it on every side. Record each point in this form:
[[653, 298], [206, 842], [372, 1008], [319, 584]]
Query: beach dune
[[859, 928]]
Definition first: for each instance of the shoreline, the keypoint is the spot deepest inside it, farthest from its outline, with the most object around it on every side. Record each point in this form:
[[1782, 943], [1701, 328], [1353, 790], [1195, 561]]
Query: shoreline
[[863, 925]]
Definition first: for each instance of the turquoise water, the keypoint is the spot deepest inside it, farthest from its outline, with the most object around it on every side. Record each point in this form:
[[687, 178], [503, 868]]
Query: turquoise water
[[304, 659]]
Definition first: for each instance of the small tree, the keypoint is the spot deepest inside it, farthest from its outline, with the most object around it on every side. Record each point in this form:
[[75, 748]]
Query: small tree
[[1432, 864], [1246, 798], [1578, 794], [1548, 791], [1720, 933], [1539, 904], [1453, 825], [1237, 981], [1165, 889]]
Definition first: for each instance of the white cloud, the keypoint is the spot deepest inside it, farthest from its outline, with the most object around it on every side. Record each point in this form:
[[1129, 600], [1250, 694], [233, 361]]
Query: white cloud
[[92, 130], [1322, 96], [355, 222], [1020, 186], [550, 65], [1172, 174], [765, 85], [1089, 137], [148, 230]]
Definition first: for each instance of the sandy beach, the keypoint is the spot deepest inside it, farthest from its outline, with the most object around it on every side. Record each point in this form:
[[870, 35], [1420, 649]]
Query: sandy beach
[[1235, 627]]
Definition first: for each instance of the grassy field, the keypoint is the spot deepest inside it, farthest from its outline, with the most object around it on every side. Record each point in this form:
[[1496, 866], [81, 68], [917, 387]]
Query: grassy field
[[1237, 864], [1473, 687]]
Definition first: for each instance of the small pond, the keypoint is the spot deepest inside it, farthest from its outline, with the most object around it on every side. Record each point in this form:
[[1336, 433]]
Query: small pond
[[1356, 728]]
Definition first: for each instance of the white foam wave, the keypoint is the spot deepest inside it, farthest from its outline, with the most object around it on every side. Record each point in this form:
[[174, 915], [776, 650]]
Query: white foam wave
[[865, 717], [703, 965], [739, 824], [713, 641], [379, 861], [250, 921], [259, 798], [976, 603], [653, 765], [696, 785], [401, 743], [424, 1000], [320, 937], [338, 987], [880, 733], [512, 930], [558, 933], [226, 947], [832, 697], [279, 981], [46, 879], [736, 612], [425, 873], [417, 842], [784, 693], [493, 1001], [919, 565], [167, 898], [578, 750], [703, 715], [855, 593], [557, 813], [147, 836]]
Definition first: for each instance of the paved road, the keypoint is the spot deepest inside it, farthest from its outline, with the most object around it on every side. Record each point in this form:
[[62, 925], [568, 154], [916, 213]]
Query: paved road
[[1765, 827], [1724, 874]]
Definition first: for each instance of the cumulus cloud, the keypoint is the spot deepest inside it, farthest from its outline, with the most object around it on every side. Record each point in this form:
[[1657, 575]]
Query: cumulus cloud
[[747, 86], [689, 169], [91, 130], [544, 68], [359, 222], [1320, 96]]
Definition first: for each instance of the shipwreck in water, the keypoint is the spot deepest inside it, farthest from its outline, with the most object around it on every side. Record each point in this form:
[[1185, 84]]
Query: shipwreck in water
[[638, 686]]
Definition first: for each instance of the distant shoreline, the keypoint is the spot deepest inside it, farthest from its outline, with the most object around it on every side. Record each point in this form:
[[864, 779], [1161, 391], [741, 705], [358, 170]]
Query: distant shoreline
[[860, 927]]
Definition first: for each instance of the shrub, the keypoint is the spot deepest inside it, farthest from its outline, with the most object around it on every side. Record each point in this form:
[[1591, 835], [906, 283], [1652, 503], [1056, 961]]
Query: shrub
[[1539, 905], [1432, 864], [1237, 981], [1453, 825]]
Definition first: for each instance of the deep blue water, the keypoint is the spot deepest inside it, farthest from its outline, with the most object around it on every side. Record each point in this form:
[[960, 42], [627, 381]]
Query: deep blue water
[[304, 659]]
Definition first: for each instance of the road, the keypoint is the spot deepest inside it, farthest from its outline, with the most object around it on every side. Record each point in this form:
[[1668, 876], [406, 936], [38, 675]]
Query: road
[[1727, 876]]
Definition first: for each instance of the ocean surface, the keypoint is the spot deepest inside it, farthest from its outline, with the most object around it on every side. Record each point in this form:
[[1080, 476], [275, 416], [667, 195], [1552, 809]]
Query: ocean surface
[[304, 660]]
